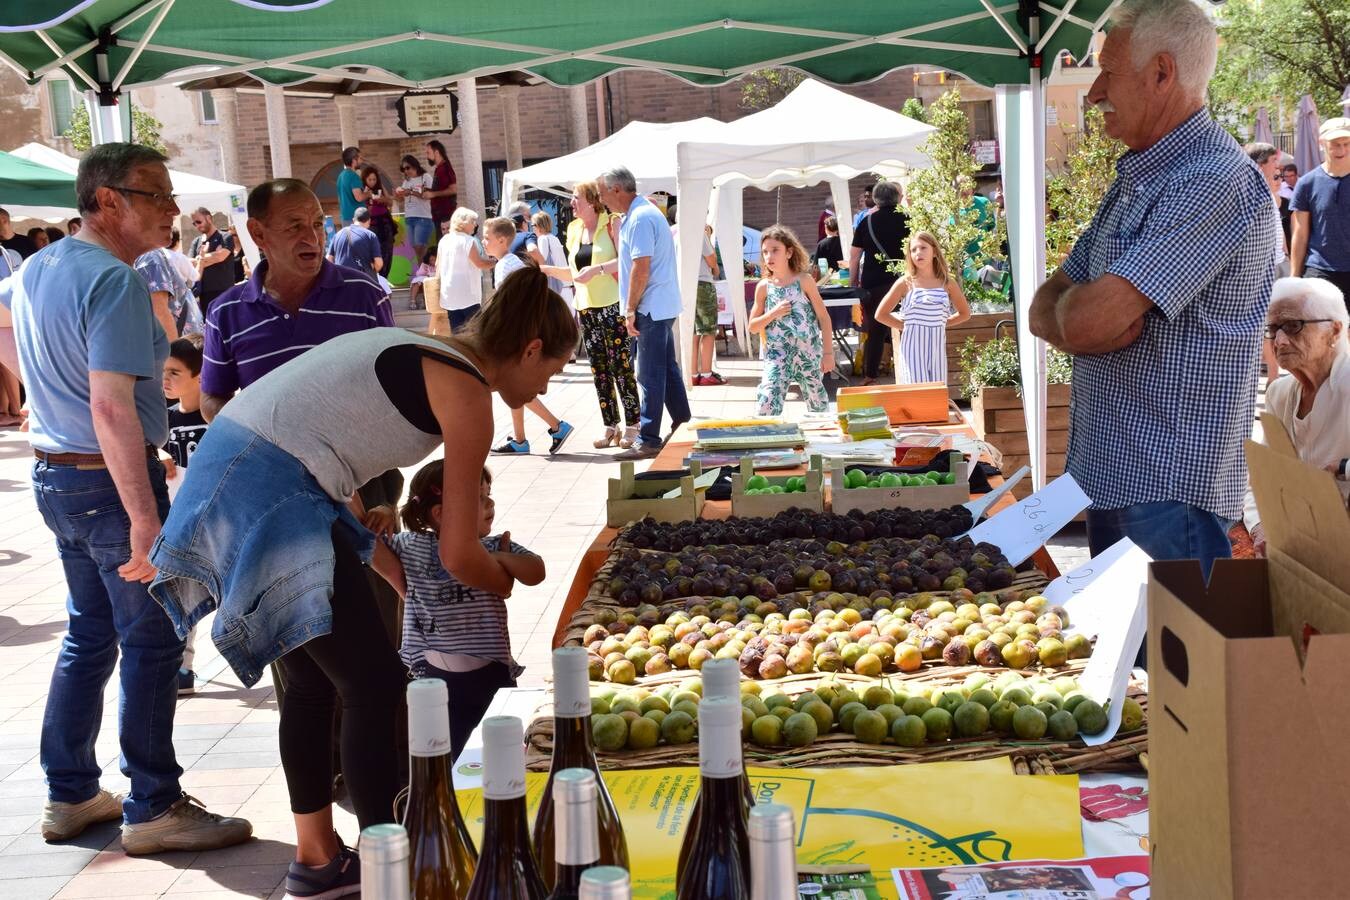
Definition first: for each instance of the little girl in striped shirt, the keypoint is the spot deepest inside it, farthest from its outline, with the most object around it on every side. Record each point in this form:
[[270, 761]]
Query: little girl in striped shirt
[[450, 631]]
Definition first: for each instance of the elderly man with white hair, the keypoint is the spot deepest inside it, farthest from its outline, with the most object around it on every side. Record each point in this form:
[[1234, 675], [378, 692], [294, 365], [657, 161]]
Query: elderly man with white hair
[[1162, 300], [1307, 325]]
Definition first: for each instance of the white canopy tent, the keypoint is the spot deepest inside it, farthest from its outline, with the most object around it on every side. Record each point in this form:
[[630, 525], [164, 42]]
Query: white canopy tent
[[192, 191], [783, 145], [647, 149]]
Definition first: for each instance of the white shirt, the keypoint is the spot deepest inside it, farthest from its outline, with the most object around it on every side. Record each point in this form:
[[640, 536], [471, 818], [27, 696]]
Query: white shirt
[[1322, 436], [414, 207], [461, 283], [184, 267]]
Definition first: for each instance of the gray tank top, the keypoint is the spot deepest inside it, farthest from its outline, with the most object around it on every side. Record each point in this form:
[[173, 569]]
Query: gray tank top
[[327, 408]]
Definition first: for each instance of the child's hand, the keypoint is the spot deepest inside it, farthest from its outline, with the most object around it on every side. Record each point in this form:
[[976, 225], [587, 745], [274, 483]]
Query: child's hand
[[827, 362], [382, 519]]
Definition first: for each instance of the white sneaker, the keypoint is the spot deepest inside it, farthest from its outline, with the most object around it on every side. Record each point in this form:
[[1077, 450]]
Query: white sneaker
[[63, 821], [186, 826]]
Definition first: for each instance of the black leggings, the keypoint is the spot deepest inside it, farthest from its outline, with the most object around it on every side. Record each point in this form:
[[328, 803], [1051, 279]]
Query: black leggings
[[356, 662], [470, 695], [877, 334]]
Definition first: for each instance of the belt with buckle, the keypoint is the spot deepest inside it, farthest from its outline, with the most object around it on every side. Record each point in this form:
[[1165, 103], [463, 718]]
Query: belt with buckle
[[82, 460]]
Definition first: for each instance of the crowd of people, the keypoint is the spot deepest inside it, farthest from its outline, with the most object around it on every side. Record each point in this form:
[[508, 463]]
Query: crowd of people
[[201, 430]]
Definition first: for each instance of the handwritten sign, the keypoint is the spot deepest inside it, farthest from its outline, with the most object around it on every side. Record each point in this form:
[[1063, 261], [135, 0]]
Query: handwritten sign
[[979, 507], [1108, 671], [1023, 528], [428, 113], [1089, 590]]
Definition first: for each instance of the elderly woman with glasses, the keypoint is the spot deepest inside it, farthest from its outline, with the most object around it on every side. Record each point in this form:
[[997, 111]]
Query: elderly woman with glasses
[[1306, 325]]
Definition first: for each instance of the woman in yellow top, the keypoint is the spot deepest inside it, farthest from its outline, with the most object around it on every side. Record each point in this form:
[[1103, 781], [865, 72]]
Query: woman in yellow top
[[590, 242]]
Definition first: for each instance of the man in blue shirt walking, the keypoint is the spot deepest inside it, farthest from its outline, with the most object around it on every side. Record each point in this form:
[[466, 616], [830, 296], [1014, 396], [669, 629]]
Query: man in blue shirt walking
[[1163, 299], [650, 294], [357, 247], [92, 353]]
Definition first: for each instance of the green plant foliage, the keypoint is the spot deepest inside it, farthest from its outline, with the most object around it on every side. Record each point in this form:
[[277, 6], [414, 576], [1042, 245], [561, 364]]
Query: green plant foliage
[[145, 129], [1271, 52], [934, 202], [1072, 198], [994, 364], [767, 87], [914, 109]]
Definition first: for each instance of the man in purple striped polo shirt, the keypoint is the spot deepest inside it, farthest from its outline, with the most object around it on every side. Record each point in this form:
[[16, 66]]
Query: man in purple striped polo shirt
[[295, 300]]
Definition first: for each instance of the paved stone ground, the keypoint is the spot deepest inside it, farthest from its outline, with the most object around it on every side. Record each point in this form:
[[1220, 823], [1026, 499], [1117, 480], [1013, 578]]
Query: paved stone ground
[[226, 735]]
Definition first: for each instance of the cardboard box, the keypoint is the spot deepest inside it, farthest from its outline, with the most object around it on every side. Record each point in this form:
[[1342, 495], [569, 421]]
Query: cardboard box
[[766, 505], [1249, 732], [905, 404], [630, 499]]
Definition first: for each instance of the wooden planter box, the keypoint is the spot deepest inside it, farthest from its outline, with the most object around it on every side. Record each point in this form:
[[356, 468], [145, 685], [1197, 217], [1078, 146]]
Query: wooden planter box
[[630, 499], [767, 505], [980, 327], [905, 404], [1000, 421]]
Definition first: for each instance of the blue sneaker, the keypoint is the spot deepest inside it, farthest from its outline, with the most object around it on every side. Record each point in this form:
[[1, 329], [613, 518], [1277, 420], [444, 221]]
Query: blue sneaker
[[512, 446], [340, 878], [560, 437]]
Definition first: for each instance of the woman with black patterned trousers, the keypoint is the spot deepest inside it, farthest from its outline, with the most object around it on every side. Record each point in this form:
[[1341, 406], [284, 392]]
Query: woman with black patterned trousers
[[590, 242]]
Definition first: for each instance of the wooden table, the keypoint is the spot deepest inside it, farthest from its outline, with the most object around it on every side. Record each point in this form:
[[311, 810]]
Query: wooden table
[[672, 457]]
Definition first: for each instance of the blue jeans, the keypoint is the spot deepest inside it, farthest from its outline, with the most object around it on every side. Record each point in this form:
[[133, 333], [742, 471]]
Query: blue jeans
[[419, 230], [659, 376], [1164, 530], [93, 537]]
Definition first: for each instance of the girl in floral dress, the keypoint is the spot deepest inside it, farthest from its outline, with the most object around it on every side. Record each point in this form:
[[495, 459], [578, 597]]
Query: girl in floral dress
[[790, 314]]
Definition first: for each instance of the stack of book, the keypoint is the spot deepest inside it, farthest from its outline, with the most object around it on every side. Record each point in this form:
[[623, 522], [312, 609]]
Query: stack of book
[[866, 423], [751, 437]]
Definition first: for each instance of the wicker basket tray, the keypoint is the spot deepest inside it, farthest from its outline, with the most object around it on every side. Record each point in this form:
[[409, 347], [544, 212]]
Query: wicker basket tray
[[839, 749]]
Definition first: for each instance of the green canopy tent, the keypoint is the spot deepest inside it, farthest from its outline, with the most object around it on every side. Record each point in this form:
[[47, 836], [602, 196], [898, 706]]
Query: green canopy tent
[[113, 45], [34, 191]]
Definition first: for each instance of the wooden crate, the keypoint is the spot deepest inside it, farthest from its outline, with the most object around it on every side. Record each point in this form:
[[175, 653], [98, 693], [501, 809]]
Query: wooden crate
[[980, 327], [630, 500], [767, 505], [937, 496], [905, 404]]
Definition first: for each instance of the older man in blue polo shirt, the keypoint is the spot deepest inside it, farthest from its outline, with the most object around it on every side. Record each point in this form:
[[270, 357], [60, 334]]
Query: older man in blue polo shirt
[[650, 294], [295, 300], [91, 354], [1163, 299]]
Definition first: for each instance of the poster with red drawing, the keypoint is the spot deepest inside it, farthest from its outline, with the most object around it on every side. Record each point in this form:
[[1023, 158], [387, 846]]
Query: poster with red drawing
[[1101, 878]]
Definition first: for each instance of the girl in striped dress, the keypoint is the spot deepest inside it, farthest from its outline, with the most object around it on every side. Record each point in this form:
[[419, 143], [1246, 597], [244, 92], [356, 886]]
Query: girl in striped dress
[[451, 631], [930, 299]]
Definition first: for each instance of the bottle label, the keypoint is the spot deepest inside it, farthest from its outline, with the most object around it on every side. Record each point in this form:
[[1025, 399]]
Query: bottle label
[[428, 732], [571, 693], [503, 785], [719, 752]]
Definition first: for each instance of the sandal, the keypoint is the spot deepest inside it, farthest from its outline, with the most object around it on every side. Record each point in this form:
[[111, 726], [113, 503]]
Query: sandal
[[611, 438]]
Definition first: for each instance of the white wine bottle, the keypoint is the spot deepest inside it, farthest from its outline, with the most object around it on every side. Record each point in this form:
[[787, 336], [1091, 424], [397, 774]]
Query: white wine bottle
[[572, 749], [717, 857], [384, 863], [578, 835], [721, 681], [773, 854], [443, 856], [605, 883], [506, 868]]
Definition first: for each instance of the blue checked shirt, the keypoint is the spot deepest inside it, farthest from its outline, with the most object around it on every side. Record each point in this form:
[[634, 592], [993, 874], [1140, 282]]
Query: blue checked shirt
[[1190, 224]]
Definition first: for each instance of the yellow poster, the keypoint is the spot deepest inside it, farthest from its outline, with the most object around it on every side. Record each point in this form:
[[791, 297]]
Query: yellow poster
[[879, 816]]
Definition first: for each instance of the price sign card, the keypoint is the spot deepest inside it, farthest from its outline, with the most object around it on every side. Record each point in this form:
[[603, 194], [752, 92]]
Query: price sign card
[[1108, 672], [1111, 577], [1023, 528]]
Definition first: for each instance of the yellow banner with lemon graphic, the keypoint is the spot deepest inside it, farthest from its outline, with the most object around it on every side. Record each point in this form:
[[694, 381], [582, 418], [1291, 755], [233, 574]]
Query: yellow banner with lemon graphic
[[882, 817]]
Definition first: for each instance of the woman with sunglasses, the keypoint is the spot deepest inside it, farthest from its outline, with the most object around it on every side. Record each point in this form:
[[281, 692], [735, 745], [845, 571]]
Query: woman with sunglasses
[[416, 207]]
